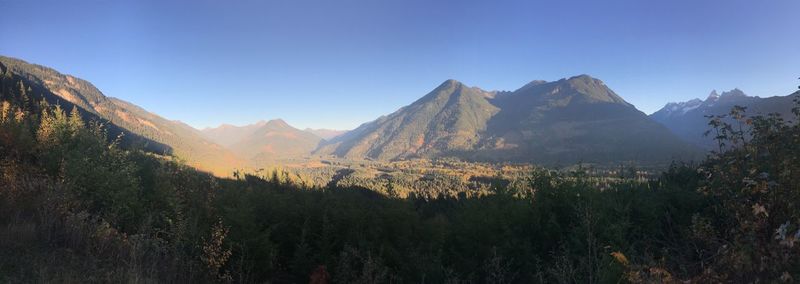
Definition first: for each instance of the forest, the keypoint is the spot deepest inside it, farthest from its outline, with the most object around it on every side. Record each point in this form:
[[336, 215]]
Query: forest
[[78, 206]]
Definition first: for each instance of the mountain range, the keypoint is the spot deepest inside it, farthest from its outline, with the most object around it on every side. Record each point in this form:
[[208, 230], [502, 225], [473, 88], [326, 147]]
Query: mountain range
[[689, 119], [571, 120]]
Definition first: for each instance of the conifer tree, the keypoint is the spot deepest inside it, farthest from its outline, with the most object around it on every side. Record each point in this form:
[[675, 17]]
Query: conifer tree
[[75, 120], [5, 111]]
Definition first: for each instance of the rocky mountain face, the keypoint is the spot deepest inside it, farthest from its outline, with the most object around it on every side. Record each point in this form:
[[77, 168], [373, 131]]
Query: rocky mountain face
[[689, 119], [570, 120]]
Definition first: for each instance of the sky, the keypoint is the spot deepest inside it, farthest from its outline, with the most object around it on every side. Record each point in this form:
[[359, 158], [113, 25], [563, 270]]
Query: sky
[[337, 64]]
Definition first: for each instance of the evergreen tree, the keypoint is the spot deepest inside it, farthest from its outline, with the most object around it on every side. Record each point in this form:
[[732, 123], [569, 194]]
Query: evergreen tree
[[75, 120]]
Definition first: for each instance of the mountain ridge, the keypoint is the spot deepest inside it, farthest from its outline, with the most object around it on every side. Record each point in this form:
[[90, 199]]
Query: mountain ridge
[[688, 119], [575, 119], [530, 124], [182, 140]]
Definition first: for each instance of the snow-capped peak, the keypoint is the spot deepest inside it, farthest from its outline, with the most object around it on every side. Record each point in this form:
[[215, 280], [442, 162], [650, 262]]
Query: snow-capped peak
[[713, 96]]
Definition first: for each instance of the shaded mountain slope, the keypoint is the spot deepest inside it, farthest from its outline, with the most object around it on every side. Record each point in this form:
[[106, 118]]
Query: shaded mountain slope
[[566, 121], [573, 120]]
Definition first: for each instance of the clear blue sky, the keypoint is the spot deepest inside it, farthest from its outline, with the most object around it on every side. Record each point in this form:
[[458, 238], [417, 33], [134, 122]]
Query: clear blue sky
[[336, 64]]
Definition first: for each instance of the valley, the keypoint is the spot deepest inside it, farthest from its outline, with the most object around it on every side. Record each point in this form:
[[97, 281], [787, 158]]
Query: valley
[[372, 142], [436, 178], [455, 139], [463, 186]]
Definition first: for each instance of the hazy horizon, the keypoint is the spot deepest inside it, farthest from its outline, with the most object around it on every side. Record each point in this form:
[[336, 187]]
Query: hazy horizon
[[308, 62]]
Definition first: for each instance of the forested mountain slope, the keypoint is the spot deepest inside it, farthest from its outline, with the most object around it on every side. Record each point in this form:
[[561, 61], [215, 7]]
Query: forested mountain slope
[[154, 132], [451, 117], [567, 121]]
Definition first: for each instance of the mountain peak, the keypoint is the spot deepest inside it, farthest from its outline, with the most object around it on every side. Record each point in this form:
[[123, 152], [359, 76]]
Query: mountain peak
[[583, 80], [592, 89], [680, 108], [735, 93], [450, 83], [533, 83], [713, 96], [277, 123], [582, 77]]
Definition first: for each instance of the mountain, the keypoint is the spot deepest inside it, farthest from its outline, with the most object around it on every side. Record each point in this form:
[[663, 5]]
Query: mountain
[[139, 126], [326, 134], [578, 119], [227, 135], [275, 139], [265, 140], [452, 117], [566, 121], [688, 119]]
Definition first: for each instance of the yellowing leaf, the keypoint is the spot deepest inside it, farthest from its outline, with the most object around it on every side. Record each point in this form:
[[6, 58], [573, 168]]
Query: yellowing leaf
[[759, 209], [620, 257]]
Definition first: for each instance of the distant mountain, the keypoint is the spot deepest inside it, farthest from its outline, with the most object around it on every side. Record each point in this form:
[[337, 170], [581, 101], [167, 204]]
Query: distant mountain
[[566, 121], [265, 140], [688, 119], [139, 126], [275, 139], [227, 135], [326, 134]]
